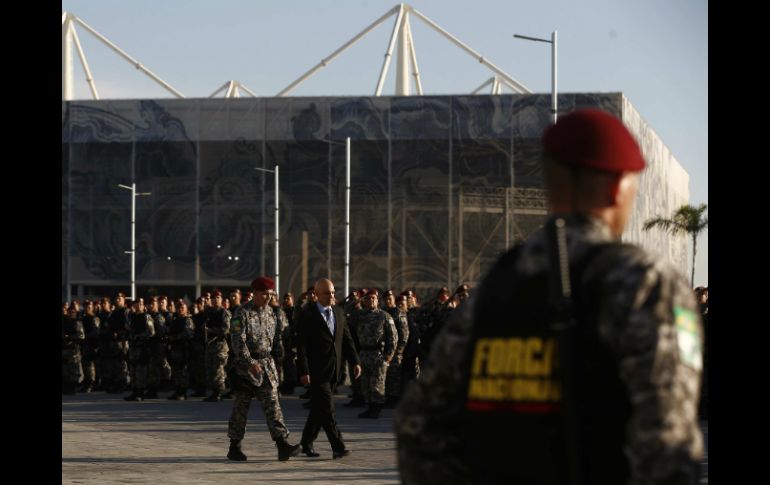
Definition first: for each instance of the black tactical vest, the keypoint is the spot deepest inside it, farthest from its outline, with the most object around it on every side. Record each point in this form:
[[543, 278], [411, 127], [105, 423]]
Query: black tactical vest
[[513, 426]]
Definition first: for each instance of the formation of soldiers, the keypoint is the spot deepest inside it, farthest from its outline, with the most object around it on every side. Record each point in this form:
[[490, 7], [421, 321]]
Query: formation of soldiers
[[156, 345]]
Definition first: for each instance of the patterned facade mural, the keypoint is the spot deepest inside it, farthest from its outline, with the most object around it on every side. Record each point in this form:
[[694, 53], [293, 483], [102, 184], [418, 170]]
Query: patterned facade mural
[[440, 187]]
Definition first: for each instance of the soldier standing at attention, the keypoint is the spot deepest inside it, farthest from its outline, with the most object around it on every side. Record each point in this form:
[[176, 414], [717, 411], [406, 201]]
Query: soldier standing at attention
[[160, 371], [116, 333], [71, 337], [393, 378], [140, 333], [581, 352], [217, 328], [90, 346], [255, 336], [377, 336], [197, 353], [180, 333]]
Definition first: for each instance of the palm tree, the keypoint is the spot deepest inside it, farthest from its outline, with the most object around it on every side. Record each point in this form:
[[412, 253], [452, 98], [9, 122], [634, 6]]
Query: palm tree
[[686, 220]]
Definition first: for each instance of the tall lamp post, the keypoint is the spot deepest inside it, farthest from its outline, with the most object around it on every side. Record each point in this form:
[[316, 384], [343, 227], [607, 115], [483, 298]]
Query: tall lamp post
[[134, 195], [553, 67], [277, 238]]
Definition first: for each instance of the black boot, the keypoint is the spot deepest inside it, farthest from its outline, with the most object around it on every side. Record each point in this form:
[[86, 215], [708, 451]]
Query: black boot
[[285, 450], [215, 396], [179, 395], [235, 453]]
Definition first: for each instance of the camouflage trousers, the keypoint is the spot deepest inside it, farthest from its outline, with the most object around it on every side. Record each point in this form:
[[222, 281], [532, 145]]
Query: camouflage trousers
[[70, 366], [179, 368], [393, 379], [216, 359], [139, 355], [268, 398], [373, 376], [160, 370], [113, 364], [89, 372]]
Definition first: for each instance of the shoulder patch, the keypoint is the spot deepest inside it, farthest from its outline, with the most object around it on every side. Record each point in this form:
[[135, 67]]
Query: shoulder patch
[[688, 338], [235, 325]]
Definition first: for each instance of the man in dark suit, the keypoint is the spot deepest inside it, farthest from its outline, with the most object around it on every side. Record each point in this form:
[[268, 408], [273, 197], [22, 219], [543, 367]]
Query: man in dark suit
[[324, 339]]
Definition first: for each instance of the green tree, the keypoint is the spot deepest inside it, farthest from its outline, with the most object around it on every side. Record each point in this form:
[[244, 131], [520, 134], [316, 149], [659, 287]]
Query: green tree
[[685, 220]]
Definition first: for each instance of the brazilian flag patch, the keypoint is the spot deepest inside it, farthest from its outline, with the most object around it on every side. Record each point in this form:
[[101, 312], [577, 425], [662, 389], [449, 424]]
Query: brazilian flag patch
[[688, 338], [235, 325]]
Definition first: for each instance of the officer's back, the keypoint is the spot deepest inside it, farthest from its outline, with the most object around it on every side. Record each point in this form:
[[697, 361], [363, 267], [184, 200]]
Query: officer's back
[[578, 360]]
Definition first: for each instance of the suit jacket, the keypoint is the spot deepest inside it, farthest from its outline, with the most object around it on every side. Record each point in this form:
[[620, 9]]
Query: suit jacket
[[319, 353]]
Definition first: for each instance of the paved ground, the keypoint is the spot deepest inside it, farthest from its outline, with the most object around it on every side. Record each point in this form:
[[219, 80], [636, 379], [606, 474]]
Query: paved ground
[[107, 440]]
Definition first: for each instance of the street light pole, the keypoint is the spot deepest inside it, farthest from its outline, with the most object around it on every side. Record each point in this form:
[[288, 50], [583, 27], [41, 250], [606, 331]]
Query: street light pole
[[134, 195], [554, 106], [277, 237]]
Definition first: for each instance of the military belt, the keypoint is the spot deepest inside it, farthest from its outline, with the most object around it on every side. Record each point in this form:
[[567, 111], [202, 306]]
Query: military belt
[[260, 355]]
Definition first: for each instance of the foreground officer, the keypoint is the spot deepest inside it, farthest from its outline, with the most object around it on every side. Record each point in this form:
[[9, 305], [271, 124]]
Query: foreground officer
[[551, 373], [254, 336]]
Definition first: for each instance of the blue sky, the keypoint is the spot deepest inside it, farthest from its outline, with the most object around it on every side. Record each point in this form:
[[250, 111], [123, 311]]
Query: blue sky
[[655, 52]]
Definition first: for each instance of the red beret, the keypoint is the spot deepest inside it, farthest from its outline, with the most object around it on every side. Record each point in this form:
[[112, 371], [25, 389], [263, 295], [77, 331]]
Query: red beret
[[216, 293], [374, 292], [263, 283], [595, 139]]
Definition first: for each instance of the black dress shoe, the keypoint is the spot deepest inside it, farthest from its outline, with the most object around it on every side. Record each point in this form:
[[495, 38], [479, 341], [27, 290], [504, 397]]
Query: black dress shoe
[[340, 454], [310, 452]]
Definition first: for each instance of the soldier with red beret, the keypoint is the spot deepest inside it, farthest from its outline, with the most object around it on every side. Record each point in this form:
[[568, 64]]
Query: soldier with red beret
[[581, 352], [255, 337]]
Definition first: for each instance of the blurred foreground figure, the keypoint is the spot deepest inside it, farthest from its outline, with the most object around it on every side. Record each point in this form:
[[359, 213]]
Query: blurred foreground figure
[[578, 359]]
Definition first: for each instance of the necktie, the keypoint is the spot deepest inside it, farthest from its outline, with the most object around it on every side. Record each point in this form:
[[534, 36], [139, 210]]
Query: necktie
[[329, 321]]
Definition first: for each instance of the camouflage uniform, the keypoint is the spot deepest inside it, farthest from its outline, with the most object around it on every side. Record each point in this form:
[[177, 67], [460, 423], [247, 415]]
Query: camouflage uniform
[[89, 350], [71, 336], [217, 328], [410, 363], [196, 355], [160, 370], [180, 332], [142, 330], [290, 377], [393, 379], [283, 327], [114, 347], [355, 384], [255, 338], [644, 321], [377, 336]]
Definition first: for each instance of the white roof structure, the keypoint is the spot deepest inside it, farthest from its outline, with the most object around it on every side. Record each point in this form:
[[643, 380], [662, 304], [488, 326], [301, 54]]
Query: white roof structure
[[406, 59]]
